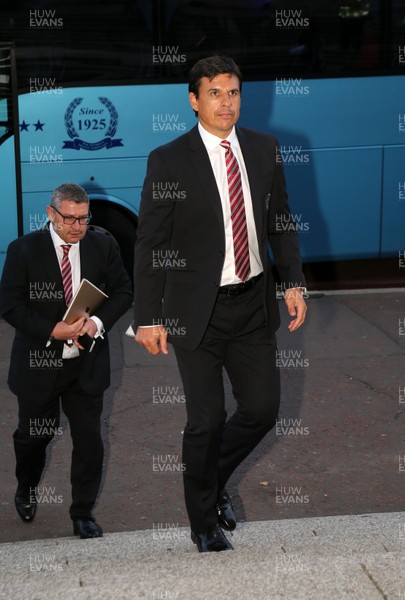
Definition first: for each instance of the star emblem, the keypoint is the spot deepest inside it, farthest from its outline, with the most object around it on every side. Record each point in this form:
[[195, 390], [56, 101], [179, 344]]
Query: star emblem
[[24, 126], [39, 126]]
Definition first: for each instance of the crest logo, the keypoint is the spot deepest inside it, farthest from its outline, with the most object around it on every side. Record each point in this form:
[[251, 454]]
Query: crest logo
[[91, 122]]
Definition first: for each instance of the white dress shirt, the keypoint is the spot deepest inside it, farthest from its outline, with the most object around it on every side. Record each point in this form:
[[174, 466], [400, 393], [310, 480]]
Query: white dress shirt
[[74, 257], [216, 155]]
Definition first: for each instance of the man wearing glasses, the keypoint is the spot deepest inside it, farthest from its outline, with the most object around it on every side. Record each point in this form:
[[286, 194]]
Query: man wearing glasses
[[48, 359]]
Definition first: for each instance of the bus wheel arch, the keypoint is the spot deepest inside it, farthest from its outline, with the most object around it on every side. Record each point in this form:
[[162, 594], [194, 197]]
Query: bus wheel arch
[[119, 223]]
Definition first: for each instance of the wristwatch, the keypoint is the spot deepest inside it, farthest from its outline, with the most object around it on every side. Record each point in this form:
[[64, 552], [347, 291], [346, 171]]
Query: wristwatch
[[303, 290]]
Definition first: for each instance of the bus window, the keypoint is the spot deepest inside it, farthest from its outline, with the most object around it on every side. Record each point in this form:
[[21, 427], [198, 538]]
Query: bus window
[[326, 78]]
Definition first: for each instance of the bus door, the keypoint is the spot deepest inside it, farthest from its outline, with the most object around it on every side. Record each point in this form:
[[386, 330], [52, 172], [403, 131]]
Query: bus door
[[10, 172]]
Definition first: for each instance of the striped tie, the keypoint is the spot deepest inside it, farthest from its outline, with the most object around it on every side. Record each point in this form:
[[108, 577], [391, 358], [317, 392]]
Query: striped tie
[[238, 216], [67, 275]]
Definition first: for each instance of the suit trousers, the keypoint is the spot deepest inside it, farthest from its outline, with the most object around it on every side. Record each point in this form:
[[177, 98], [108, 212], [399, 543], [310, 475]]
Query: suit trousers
[[38, 421], [236, 340]]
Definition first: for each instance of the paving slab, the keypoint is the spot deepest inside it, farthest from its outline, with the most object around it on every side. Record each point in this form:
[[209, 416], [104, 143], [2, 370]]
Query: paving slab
[[359, 557]]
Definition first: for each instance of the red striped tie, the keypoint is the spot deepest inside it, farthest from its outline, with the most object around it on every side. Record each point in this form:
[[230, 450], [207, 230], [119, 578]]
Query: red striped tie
[[238, 216], [66, 268]]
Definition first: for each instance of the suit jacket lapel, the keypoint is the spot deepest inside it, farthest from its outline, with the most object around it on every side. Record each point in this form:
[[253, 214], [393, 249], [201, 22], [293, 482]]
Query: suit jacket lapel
[[205, 175], [52, 272], [88, 260], [50, 260]]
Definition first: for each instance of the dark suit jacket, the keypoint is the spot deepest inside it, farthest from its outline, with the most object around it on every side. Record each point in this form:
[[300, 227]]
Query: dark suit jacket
[[32, 301], [186, 225]]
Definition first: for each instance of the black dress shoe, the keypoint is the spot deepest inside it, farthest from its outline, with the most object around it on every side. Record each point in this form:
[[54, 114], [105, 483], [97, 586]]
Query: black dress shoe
[[87, 528], [226, 515], [26, 505], [214, 541]]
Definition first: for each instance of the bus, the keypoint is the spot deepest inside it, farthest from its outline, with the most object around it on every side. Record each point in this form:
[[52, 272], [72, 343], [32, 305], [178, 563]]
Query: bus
[[88, 89]]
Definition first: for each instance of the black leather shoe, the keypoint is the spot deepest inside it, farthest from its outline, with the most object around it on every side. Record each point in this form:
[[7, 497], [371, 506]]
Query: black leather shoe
[[87, 528], [214, 541], [26, 505], [226, 515]]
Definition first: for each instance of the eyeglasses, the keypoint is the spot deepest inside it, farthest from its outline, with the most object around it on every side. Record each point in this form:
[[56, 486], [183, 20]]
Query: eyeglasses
[[71, 220]]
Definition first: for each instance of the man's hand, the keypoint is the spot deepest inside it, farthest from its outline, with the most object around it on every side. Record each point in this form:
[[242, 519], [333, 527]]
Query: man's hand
[[154, 339], [90, 328], [62, 331], [296, 307]]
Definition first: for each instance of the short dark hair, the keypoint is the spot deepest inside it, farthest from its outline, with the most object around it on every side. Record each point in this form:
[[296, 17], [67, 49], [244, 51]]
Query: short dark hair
[[211, 67]]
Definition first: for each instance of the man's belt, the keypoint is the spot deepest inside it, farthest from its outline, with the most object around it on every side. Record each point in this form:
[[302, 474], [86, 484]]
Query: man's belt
[[240, 288]]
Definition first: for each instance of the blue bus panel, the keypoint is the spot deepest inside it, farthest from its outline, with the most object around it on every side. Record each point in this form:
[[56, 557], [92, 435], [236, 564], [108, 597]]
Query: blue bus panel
[[8, 221], [341, 143]]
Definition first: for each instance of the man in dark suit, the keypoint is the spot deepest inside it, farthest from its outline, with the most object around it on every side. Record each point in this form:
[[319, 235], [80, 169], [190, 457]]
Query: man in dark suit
[[210, 206], [49, 361]]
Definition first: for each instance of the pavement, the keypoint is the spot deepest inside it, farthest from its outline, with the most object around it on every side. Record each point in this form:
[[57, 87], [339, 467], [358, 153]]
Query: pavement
[[351, 557], [319, 502]]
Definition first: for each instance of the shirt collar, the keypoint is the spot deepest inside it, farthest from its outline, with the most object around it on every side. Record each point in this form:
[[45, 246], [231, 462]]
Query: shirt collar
[[57, 240], [212, 141]]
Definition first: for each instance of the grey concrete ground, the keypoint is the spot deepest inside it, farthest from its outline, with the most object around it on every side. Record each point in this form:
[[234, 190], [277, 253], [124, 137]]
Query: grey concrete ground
[[338, 449], [354, 557]]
